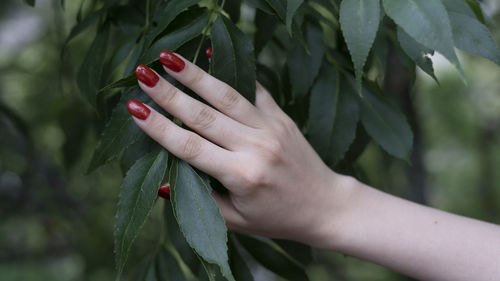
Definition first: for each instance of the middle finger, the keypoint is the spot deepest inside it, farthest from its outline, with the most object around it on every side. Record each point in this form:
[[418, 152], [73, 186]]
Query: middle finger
[[207, 121]]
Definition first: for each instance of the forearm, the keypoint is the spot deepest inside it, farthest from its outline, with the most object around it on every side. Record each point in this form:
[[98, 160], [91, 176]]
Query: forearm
[[416, 240]]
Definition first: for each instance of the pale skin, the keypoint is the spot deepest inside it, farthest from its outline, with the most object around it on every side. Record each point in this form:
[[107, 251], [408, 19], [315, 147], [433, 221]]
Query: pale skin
[[279, 187]]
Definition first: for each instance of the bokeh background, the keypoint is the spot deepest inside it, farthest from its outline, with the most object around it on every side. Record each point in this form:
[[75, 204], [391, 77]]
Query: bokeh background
[[56, 222]]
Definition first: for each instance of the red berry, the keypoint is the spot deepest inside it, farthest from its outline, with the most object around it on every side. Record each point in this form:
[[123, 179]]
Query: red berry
[[164, 192], [208, 52]]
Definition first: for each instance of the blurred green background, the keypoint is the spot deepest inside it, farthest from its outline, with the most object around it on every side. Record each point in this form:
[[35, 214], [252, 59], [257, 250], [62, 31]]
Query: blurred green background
[[56, 222]]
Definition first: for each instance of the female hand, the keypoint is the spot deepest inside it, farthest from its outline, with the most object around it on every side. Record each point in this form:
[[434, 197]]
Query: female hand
[[278, 186]]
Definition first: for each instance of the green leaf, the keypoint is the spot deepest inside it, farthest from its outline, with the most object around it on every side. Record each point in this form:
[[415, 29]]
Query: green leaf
[[386, 125], [473, 37], [233, 59], [265, 24], [474, 5], [233, 8], [359, 21], [238, 264], [177, 239], [30, 2], [167, 267], [427, 22], [458, 6], [279, 7], [416, 51], [272, 258], [186, 26], [137, 196], [90, 72], [173, 8], [303, 67], [333, 115], [199, 216], [261, 5], [135, 151], [119, 133], [291, 9], [88, 21], [300, 252]]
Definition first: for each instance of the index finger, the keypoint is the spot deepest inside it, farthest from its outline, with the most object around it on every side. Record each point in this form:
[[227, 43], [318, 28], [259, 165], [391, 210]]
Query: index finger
[[217, 93]]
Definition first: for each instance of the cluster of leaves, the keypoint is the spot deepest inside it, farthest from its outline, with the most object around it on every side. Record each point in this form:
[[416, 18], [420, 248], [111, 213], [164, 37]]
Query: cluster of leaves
[[323, 61]]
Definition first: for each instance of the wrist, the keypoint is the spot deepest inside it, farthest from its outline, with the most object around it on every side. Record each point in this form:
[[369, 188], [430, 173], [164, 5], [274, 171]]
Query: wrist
[[334, 204]]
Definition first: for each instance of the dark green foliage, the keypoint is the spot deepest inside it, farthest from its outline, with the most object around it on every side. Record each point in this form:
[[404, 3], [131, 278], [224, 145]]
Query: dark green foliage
[[313, 56], [137, 196], [199, 217], [233, 59], [269, 255]]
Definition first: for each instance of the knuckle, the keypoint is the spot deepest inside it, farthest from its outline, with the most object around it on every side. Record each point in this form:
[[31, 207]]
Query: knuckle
[[271, 150], [253, 177], [229, 98], [158, 128], [196, 78], [171, 93], [192, 147], [204, 117]]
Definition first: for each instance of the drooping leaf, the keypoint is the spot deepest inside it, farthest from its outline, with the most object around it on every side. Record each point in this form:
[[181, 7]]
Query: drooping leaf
[[359, 20], [474, 5], [427, 22], [209, 272], [137, 196], [198, 216], [233, 59], [147, 269], [333, 115], [135, 151], [473, 37], [186, 26], [167, 267], [279, 7], [90, 72], [267, 254], [386, 125], [120, 132], [291, 9], [87, 21], [238, 263], [175, 236], [416, 52], [166, 16], [303, 67]]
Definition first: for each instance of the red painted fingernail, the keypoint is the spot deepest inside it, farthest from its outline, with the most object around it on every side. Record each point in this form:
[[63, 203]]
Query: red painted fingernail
[[208, 52], [172, 61], [138, 109], [164, 192], [146, 75]]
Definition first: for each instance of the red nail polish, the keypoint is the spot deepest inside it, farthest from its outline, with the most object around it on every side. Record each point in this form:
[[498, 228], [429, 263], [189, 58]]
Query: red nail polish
[[146, 75], [138, 109], [164, 192], [172, 61], [208, 52]]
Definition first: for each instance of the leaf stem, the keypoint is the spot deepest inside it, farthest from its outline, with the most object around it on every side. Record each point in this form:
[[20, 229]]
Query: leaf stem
[[213, 13]]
